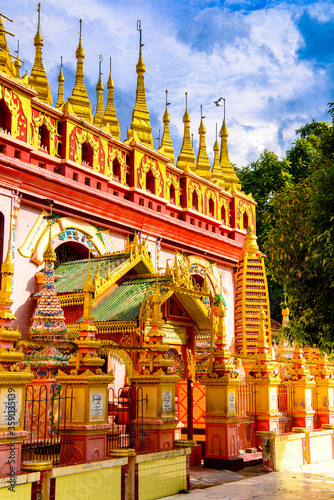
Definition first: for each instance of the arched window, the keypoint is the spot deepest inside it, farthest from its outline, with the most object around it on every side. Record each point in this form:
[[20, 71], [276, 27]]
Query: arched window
[[245, 220], [69, 251], [116, 170], [172, 194], [223, 214], [5, 117], [150, 182], [195, 200], [87, 154], [211, 207], [44, 138]]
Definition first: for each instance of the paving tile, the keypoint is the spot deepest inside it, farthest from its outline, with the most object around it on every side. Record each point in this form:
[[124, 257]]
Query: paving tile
[[311, 482]]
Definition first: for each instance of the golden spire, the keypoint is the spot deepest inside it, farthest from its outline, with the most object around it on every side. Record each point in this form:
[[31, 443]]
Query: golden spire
[[7, 271], [217, 174], [37, 78], [61, 79], [99, 90], [17, 62], [140, 116], [79, 99], [166, 146], [203, 167], [6, 65], [230, 177], [110, 118], [187, 155], [88, 289], [49, 254]]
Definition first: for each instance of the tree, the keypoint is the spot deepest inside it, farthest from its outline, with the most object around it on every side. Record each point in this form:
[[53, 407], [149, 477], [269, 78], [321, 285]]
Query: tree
[[304, 151], [300, 246], [262, 178], [269, 175]]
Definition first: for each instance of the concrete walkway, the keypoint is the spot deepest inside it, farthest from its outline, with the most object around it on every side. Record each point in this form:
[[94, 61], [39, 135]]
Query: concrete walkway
[[311, 482]]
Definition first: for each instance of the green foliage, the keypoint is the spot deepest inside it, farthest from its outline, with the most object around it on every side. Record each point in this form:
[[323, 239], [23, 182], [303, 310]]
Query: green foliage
[[303, 154], [285, 193], [300, 247], [262, 178]]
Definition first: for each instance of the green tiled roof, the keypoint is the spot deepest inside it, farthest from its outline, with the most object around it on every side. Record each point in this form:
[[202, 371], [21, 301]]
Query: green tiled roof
[[72, 275], [123, 303]]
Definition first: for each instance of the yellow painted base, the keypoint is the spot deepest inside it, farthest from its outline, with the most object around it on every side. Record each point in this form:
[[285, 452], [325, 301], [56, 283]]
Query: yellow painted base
[[103, 484], [161, 478]]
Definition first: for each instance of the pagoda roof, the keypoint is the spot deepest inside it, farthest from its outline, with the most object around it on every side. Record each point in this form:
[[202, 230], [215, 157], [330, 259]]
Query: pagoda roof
[[72, 275], [124, 302]]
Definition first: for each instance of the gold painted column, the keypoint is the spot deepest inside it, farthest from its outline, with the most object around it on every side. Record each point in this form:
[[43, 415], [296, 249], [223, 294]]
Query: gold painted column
[[156, 384], [221, 416], [264, 374], [88, 424], [304, 386]]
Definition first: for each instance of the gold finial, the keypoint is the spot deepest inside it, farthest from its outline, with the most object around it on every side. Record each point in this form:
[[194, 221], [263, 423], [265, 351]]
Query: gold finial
[[79, 99], [60, 98], [140, 116], [88, 286], [99, 90], [203, 167], [49, 254], [7, 271], [8, 266], [229, 175], [110, 118], [187, 155], [217, 174], [166, 146], [37, 78]]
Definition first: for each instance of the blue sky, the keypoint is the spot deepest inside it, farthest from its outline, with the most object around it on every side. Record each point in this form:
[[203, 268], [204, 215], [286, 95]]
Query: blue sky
[[272, 61]]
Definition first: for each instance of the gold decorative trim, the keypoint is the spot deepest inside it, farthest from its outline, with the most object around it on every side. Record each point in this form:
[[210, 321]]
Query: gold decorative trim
[[71, 299], [115, 327]]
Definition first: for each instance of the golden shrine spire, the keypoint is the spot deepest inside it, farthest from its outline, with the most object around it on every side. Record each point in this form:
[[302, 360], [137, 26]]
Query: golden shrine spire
[[166, 146], [79, 99], [230, 177], [37, 78], [6, 65], [110, 118], [60, 98], [187, 155], [99, 104], [88, 289], [217, 174], [251, 298], [48, 319], [7, 271], [203, 167], [140, 116]]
